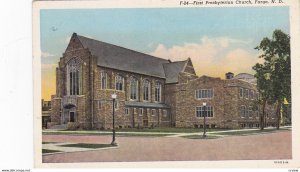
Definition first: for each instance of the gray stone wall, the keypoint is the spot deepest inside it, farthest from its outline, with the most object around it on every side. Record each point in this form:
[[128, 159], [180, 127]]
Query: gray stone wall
[[55, 113], [186, 102], [170, 94], [83, 105], [226, 102], [103, 115]]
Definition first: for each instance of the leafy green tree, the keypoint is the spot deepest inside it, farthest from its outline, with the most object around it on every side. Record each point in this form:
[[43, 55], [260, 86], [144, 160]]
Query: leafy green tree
[[263, 86], [274, 75]]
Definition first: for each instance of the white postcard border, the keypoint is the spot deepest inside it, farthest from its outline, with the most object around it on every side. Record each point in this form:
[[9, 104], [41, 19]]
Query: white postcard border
[[295, 60]]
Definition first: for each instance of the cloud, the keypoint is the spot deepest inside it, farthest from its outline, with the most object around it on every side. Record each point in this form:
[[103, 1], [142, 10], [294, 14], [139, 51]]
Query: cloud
[[205, 49], [226, 41], [237, 61], [46, 54], [212, 56]]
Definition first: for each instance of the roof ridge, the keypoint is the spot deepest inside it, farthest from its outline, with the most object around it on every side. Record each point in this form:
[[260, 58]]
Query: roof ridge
[[147, 55], [176, 62]]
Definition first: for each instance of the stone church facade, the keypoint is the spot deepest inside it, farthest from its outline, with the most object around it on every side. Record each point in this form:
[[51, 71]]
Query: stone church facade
[[151, 92]]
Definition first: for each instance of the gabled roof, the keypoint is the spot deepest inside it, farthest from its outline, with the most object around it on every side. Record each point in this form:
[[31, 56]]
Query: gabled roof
[[120, 58], [173, 69]]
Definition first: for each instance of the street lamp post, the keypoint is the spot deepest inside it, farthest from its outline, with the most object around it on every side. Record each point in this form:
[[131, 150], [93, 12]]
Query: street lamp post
[[114, 96], [204, 120]]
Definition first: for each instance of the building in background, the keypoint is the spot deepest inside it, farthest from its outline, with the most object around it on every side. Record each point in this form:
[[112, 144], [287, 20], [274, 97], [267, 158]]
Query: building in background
[[46, 109], [151, 91]]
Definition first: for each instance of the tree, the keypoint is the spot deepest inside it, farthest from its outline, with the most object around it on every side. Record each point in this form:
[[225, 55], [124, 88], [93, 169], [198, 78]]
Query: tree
[[274, 75], [263, 87]]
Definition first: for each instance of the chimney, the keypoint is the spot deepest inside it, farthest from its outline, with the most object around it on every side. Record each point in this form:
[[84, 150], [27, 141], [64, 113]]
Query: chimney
[[229, 75]]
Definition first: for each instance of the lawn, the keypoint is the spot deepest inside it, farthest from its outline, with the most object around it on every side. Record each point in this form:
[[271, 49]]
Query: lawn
[[200, 137], [160, 129], [86, 145], [168, 130], [49, 151], [105, 133], [158, 132], [48, 142], [142, 134], [247, 132]]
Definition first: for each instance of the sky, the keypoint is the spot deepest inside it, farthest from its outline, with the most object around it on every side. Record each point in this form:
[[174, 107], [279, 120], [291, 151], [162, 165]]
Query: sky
[[217, 40]]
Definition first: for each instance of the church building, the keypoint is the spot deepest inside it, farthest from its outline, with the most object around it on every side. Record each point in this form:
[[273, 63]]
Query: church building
[[151, 91]]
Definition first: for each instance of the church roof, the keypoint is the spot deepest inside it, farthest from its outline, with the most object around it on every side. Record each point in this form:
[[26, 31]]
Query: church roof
[[172, 70], [120, 58], [116, 57]]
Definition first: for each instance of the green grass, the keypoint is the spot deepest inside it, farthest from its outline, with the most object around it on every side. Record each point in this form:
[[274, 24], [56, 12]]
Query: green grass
[[74, 133], [108, 133], [48, 142], [167, 130], [142, 134], [247, 132], [158, 130], [49, 151], [86, 145], [200, 137]]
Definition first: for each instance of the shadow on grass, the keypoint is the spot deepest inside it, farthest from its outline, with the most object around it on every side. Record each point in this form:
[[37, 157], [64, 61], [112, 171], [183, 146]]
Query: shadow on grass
[[49, 151], [86, 145], [200, 137], [49, 142]]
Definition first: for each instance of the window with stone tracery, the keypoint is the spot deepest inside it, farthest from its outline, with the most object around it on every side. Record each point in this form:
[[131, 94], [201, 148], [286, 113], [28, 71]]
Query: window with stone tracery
[[147, 87], [133, 89], [103, 80], [74, 76], [157, 91], [119, 82]]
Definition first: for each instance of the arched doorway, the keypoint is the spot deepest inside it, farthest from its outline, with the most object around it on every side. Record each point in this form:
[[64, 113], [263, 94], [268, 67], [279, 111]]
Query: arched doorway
[[69, 114]]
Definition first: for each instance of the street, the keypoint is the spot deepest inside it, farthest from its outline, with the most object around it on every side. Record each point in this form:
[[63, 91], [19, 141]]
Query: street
[[252, 147]]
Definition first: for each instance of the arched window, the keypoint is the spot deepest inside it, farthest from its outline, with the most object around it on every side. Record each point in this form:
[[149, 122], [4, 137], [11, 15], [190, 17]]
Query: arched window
[[133, 89], [243, 111], [103, 80], [73, 76], [119, 82], [158, 91], [146, 88]]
